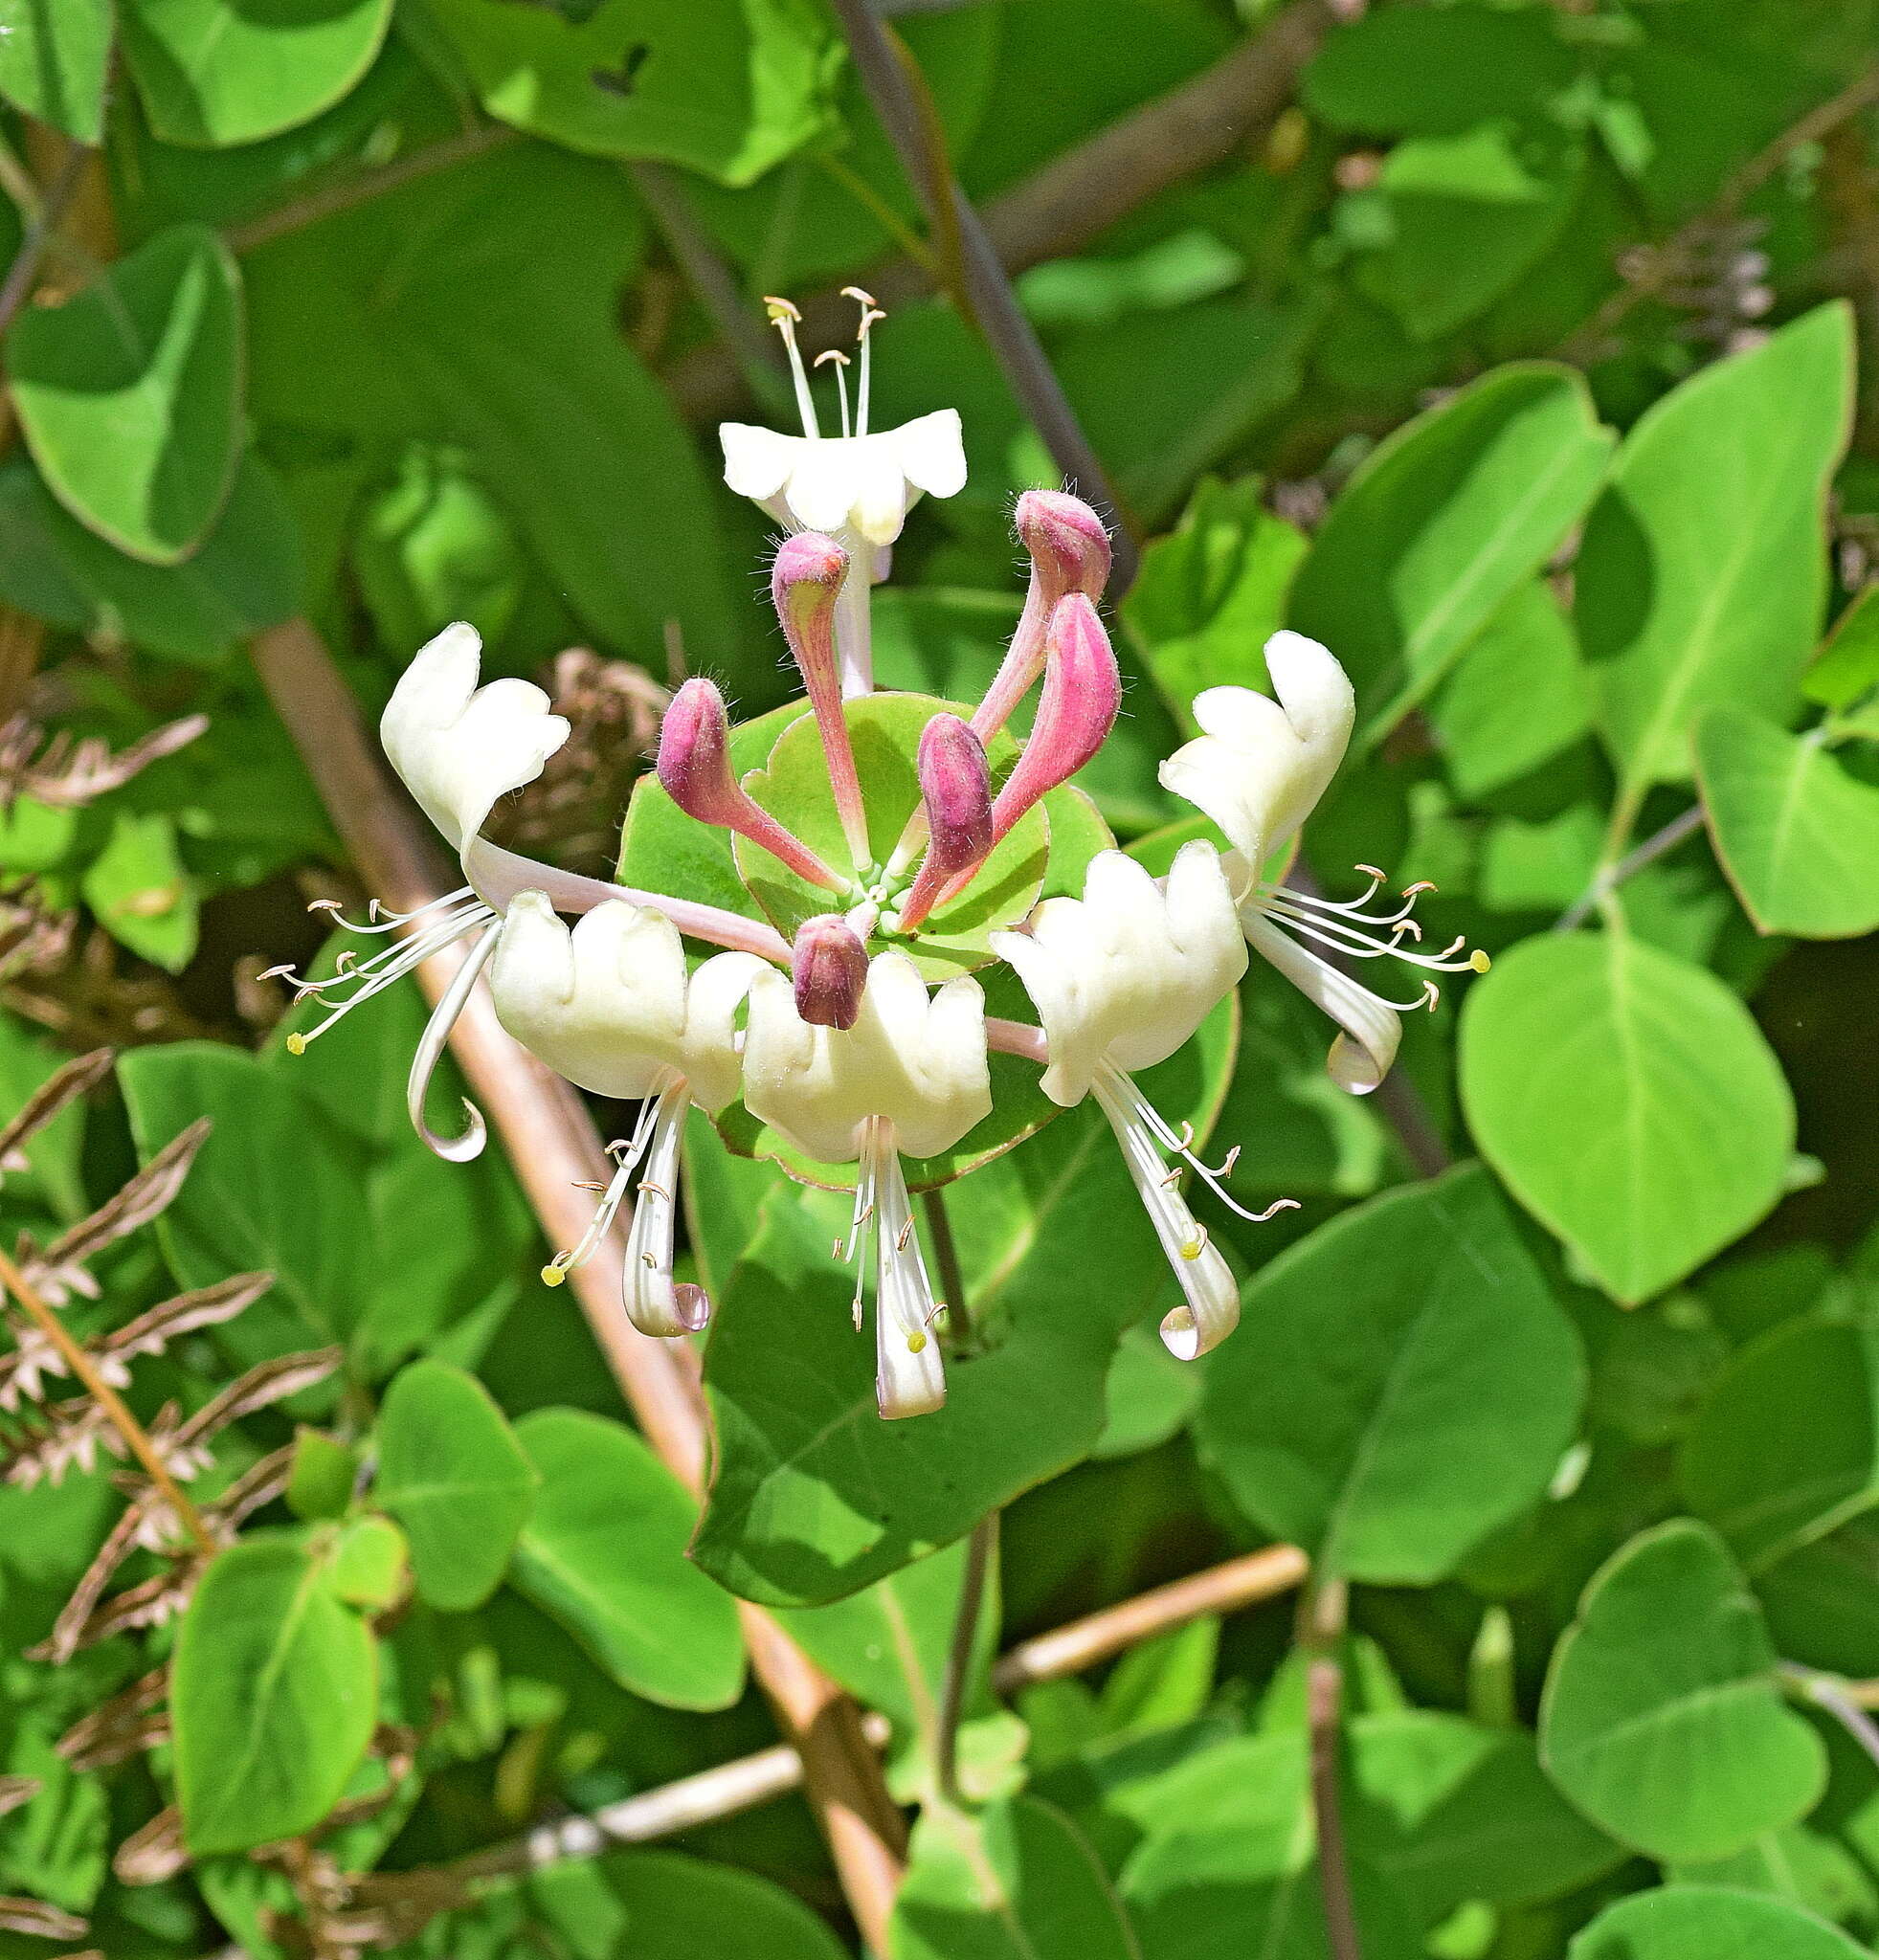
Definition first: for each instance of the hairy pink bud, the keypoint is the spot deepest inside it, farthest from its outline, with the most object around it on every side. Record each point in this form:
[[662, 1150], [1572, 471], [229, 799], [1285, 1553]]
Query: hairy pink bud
[[1083, 693], [1069, 551], [805, 584], [694, 770], [955, 787], [829, 967], [1068, 542]]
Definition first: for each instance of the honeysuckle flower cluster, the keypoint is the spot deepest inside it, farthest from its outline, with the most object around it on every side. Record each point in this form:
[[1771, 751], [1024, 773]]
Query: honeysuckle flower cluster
[[885, 851]]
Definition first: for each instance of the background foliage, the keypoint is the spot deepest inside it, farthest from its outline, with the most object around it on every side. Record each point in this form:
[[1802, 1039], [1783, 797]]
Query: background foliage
[[1515, 352]]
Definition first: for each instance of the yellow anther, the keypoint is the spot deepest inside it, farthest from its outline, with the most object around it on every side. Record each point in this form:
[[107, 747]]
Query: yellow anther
[[553, 1275], [1479, 961], [916, 1342], [296, 1044], [780, 309], [1192, 1248]]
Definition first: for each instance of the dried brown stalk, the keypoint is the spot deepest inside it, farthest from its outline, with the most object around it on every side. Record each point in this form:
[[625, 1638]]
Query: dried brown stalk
[[69, 771], [84, 1370]]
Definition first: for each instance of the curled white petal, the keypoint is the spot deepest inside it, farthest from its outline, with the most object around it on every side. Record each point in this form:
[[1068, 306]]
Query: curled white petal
[[909, 1377], [1263, 764], [1361, 1055], [610, 1004], [915, 1058], [459, 747], [1126, 973]]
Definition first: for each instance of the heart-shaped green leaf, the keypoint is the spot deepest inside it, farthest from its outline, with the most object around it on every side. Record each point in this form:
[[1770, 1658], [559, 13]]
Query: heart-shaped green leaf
[[129, 393], [1663, 1719], [1627, 1100], [1797, 829]]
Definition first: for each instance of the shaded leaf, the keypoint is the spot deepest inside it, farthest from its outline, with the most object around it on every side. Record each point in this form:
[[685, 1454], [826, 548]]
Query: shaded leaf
[[1703, 1922], [1663, 1719]]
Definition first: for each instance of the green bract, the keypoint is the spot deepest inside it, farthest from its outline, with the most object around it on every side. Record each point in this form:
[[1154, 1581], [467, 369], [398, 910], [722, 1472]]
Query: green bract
[[780, 762]]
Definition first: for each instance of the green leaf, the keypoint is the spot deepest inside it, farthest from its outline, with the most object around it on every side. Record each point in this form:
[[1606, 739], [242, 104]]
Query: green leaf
[[442, 1248], [139, 893], [1710, 1923], [370, 1563], [54, 56], [452, 1473], [324, 1472], [1846, 667], [273, 1698], [816, 1495], [128, 393], [1627, 1100], [212, 74], [1402, 1382], [724, 87], [247, 574], [604, 1552], [662, 1905], [1798, 832], [1703, 574], [1514, 699], [1440, 525], [1663, 1719], [1211, 592], [1785, 1448], [262, 1195], [1461, 217], [1017, 1882]]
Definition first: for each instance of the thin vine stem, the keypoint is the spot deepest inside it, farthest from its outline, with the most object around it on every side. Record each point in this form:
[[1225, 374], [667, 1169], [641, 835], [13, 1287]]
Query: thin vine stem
[[1323, 1612], [1610, 876], [137, 1438], [980, 1550]]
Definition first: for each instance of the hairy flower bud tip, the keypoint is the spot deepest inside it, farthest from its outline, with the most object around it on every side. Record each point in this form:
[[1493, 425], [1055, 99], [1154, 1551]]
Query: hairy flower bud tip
[[1068, 542], [694, 754], [808, 574], [830, 967]]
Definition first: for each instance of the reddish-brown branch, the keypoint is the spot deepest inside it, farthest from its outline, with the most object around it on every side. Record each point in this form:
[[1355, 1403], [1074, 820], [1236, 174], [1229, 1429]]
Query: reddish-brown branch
[[1078, 196], [555, 1150]]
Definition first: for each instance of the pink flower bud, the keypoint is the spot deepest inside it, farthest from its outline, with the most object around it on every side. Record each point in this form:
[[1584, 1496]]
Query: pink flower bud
[[694, 770], [829, 967], [955, 785], [694, 756], [1067, 542], [1069, 551], [1083, 693], [805, 586]]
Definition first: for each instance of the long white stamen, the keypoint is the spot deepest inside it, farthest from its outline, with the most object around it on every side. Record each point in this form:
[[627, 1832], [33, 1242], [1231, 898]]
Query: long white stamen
[[374, 975], [783, 317], [626, 1154], [1180, 1144], [379, 918], [841, 360], [431, 1046], [1351, 940], [870, 313]]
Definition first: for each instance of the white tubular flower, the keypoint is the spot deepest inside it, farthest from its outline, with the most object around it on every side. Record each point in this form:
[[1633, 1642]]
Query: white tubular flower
[[459, 747], [918, 1060], [1121, 978], [610, 1006], [1261, 764], [908, 1076], [857, 486], [861, 484], [1126, 973], [1258, 772]]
